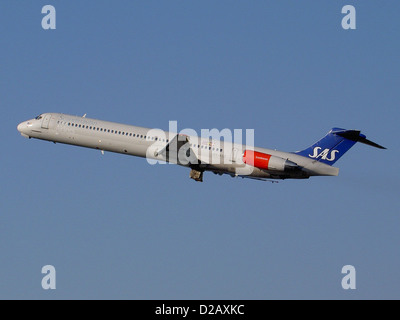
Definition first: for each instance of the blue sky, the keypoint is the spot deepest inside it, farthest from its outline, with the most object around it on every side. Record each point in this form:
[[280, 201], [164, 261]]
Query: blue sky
[[115, 227]]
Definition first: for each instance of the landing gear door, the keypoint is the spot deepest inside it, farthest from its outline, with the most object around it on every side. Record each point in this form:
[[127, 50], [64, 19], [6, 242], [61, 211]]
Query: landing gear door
[[46, 121]]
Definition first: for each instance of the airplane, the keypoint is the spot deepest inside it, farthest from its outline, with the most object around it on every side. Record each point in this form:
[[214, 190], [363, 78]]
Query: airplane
[[200, 154]]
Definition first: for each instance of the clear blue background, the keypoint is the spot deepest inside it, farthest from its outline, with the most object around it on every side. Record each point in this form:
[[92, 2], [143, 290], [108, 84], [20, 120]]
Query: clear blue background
[[115, 227]]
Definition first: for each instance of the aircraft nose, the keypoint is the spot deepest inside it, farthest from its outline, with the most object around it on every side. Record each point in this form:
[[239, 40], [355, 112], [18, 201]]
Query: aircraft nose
[[20, 127], [23, 128]]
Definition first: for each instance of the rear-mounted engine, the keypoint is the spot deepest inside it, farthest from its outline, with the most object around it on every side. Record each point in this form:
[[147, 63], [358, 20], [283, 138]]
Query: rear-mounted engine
[[268, 162]]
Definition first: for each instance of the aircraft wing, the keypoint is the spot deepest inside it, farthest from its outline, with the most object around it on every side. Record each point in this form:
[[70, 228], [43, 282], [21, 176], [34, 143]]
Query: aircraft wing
[[178, 151]]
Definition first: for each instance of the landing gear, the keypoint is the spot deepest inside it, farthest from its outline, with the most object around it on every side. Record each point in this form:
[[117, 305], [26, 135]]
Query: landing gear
[[196, 175]]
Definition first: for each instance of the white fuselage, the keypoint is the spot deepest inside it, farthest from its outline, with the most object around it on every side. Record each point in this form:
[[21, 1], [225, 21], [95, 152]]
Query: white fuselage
[[212, 155]]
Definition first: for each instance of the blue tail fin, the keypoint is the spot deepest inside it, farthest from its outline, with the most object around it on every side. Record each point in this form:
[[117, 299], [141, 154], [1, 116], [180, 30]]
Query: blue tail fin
[[335, 144]]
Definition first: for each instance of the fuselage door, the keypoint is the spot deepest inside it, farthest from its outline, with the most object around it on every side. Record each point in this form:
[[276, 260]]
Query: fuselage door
[[46, 121]]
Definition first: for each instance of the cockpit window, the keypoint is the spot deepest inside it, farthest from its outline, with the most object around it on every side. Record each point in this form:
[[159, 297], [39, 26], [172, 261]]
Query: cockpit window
[[39, 117]]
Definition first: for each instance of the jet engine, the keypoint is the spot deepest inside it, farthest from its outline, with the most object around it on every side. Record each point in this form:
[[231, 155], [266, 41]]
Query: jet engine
[[268, 162]]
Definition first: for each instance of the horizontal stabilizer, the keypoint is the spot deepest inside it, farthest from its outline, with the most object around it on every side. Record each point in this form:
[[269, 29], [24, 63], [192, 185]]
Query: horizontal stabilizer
[[357, 137]]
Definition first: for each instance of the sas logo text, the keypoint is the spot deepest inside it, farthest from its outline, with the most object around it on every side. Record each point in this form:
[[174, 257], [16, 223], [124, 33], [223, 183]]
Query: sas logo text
[[324, 155]]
